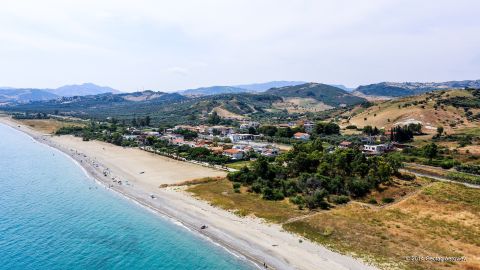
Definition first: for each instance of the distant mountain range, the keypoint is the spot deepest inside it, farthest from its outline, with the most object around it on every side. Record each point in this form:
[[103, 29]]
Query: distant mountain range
[[212, 90], [261, 87], [82, 90], [244, 88], [22, 95], [176, 107], [8, 95], [329, 94], [394, 89]]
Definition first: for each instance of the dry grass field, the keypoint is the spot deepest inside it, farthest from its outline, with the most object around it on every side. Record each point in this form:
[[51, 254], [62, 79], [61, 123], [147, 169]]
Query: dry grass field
[[417, 109], [426, 219], [221, 194], [228, 114], [301, 105], [48, 126]]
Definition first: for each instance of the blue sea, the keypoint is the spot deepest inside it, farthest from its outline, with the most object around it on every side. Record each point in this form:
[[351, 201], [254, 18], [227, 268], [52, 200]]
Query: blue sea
[[52, 216]]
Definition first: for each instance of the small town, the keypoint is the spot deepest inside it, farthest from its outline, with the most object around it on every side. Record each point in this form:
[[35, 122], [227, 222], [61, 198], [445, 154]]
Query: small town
[[246, 142]]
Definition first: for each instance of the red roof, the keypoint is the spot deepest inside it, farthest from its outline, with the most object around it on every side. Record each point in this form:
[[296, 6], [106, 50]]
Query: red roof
[[300, 134], [231, 151]]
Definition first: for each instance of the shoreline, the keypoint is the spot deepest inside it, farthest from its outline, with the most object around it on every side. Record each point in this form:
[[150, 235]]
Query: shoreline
[[124, 195], [226, 230]]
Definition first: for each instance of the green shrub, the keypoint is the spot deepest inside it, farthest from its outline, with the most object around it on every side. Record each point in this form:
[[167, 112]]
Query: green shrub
[[324, 205], [463, 177], [298, 200], [388, 200], [372, 201], [407, 176], [448, 164], [257, 187], [339, 199]]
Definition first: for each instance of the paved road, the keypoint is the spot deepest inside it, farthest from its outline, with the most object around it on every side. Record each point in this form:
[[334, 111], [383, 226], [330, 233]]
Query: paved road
[[443, 179]]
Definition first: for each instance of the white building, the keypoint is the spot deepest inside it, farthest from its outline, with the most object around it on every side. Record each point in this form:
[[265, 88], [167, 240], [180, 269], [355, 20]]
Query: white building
[[240, 137], [247, 125], [233, 153], [375, 149], [152, 133], [130, 137], [308, 126]]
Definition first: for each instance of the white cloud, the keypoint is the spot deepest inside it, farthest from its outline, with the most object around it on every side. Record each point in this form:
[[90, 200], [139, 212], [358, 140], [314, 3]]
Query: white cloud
[[178, 70], [130, 44]]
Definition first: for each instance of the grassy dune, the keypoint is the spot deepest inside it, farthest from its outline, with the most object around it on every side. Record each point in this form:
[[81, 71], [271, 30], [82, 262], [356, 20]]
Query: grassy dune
[[221, 194], [47, 125]]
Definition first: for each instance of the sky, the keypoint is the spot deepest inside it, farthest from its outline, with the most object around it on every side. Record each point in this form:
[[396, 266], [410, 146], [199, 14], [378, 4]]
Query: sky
[[173, 45]]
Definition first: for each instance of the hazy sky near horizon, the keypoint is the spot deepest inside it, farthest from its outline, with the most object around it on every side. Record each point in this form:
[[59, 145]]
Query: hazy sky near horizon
[[169, 45]]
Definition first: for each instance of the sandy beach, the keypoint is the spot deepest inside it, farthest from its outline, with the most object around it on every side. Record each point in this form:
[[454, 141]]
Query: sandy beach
[[138, 174]]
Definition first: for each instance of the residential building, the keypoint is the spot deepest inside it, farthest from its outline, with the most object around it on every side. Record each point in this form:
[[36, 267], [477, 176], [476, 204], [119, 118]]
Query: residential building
[[219, 130], [247, 125], [301, 136], [345, 144], [233, 153], [236, 137], [152, 133], [376, 149], [308, 126], [130, 137]]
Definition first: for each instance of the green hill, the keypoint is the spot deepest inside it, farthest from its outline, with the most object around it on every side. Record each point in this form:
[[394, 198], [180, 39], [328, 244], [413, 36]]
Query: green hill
[[330, 95], [12, 95], [394, 89]]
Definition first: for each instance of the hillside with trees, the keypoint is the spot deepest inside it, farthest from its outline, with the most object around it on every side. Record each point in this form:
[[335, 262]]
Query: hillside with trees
[[452, 110], [395, 89], [330, 95]]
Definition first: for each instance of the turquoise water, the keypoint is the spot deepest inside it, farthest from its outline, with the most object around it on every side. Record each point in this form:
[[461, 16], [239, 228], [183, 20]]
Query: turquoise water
[[53, 217]]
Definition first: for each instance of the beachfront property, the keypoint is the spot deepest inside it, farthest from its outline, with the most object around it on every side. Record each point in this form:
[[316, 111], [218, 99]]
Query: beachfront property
[[233, 153], [218, 139], [237, 137], [301, 136], [270, 152]]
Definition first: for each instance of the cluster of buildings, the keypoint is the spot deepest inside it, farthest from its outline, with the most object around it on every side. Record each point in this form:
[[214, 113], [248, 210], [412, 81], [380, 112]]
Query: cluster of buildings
[[372, 145], [237, 144], [237, 147]]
